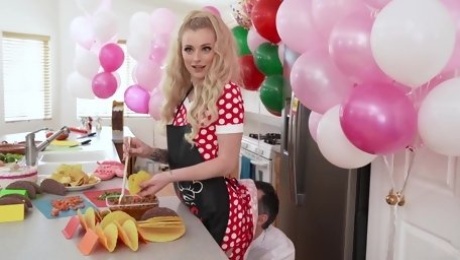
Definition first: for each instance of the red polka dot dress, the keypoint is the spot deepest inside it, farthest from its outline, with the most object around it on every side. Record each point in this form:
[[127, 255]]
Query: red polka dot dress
[[240, 223]]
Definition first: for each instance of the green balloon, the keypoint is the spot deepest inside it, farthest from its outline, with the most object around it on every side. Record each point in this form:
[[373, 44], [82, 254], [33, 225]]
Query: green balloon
[[272, 93], [267, 60], [241, 38]]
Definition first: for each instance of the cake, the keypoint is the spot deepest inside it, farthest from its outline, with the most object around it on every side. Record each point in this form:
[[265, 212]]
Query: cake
[[12, 172]]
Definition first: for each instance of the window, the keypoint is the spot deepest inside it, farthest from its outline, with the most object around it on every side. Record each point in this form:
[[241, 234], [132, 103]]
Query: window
[[26, 76], [103, 107]]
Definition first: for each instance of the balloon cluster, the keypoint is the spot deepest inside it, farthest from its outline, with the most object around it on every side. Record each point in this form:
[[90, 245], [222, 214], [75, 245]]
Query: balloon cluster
[[95, 34], [148, 44], [260, 55], [374, 73]]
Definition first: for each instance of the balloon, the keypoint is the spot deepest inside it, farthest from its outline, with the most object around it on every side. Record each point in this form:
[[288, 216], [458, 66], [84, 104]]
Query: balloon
[[317, 82], [86, 63], [111, 57], [254, 39], [148, 74], [313, 121], [267, 60], [240, 15], [139, 46], [105, 25], [137, 99], [334, 145], [82, 32], [159, 48], [263, 17], [252, 77], [299, 34], [439, 118], [240, 34], [327, 13], [156, 100], [212, 10], [79, 86], [377, 4], [454, 8], [412, 45], [272, 93], [350, 48], [139, 24], [163, 21], [379, 119], [104, 85]]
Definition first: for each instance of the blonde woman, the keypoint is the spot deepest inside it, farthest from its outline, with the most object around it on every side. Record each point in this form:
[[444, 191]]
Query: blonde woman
[[204, 112]]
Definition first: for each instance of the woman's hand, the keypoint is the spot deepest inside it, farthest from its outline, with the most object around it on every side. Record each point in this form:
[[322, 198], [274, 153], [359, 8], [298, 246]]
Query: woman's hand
[[133, 146], [155, 184]]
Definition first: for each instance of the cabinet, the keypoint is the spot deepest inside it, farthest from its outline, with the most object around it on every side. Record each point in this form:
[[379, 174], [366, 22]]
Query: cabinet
[[253, 104]]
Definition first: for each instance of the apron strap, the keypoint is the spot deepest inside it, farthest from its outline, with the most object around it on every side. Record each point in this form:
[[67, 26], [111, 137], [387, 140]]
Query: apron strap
[[182, 102]]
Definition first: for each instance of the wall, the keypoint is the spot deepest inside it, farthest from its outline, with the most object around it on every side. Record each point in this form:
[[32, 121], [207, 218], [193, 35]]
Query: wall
[[34, 17]]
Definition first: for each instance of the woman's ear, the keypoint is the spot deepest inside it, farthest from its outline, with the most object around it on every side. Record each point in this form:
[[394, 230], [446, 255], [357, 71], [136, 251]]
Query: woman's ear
[[261, 219]]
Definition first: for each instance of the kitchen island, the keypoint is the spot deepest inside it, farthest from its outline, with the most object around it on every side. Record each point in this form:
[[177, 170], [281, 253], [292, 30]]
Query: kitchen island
[[37, 237]]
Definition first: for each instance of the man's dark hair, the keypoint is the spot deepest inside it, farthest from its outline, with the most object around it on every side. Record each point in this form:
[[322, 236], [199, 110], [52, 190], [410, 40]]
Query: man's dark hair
[[268, 203]]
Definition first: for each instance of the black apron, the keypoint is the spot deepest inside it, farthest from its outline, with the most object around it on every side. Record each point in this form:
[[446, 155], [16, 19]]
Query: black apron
[[207, 199]]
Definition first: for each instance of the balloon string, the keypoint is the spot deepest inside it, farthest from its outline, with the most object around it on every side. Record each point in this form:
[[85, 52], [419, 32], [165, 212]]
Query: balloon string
[[390, 168], [451, 166], [391, 237]]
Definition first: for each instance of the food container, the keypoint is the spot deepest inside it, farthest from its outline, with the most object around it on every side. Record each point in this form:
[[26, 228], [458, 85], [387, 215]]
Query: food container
[[134, 205]]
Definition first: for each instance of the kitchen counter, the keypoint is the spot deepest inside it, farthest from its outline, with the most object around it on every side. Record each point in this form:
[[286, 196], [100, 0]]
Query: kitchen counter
[[40, 238]]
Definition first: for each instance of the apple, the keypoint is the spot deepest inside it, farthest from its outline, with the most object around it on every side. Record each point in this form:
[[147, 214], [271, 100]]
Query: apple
[[61, 137]]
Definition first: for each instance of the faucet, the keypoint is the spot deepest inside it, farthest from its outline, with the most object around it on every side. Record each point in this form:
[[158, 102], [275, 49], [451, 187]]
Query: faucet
[[32, 150]]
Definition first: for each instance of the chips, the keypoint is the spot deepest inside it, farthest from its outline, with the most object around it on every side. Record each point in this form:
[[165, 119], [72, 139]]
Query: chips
[[72, 175], [135, 179]]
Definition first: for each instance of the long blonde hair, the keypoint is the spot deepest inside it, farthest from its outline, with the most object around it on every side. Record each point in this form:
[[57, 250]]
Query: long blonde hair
[[224, 69]]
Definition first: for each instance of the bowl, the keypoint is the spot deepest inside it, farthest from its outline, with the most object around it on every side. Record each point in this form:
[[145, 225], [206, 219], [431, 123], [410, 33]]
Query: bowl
[[133, 205]]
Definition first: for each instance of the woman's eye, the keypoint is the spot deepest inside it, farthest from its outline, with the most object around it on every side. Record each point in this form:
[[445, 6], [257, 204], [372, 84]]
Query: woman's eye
[[207, 49], [188, 49]]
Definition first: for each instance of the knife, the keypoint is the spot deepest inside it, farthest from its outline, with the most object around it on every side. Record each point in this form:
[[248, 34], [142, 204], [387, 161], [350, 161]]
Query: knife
[[88, 135]]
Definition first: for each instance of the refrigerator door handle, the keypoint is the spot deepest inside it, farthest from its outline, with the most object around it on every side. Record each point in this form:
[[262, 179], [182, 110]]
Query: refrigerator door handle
[[292, 152]]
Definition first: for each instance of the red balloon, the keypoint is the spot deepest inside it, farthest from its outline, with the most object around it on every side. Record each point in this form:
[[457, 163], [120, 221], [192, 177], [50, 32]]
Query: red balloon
[[252, 77], [263, 16]]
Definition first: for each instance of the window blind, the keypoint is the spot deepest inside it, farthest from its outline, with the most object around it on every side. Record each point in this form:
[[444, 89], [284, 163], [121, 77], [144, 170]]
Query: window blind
[[26, 76], [103, 107]]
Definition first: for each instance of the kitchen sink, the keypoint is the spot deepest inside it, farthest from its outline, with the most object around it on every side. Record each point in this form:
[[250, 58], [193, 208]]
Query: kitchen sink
[[73, 156]]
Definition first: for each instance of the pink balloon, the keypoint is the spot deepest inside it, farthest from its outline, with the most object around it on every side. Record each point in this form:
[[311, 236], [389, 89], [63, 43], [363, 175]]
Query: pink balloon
[[317, 82], [104, 85], [156, 100], [148, 74], [212, 10], [254, 39], [349, 45], [81, 30], [295, 26], [163, 21], [111, 57], [379, 119], [313, 121], [454, 9], [159, 48], [326, 13], [377, 4], [137, 99]]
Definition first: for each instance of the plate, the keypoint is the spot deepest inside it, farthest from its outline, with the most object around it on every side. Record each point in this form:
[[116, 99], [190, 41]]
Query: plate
[[75, 188], [84, 187]]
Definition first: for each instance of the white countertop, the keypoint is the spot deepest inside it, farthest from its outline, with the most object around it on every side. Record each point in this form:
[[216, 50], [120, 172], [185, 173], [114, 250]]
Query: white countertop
[[40, 238]]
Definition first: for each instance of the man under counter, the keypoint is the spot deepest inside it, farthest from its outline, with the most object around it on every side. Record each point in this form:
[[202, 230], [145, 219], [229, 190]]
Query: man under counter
[[269, 242]]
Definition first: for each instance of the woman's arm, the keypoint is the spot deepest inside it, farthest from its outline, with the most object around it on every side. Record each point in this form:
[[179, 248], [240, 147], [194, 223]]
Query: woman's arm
[[159, 155], [222, 165]]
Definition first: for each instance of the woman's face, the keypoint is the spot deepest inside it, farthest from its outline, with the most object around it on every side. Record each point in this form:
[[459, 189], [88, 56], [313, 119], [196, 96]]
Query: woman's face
[[198, 51]]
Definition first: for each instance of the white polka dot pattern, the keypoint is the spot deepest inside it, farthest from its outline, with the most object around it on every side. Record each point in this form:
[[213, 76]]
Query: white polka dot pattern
[[231, 112], [240, 226]]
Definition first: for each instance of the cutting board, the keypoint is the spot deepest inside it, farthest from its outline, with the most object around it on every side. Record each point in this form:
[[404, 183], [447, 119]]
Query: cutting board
[[44, 206], [93, 196]]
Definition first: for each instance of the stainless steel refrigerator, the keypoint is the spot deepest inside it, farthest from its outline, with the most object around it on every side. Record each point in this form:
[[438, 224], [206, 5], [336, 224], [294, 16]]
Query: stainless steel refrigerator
[[323, 208]]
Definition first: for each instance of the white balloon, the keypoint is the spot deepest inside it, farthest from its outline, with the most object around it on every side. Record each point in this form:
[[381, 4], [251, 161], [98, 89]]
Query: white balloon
[[140, 23], [138, 46], [86, 63], [439, 118], [89, 6], [335, 146], [79, 86], [105, 25], [412, 40]]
